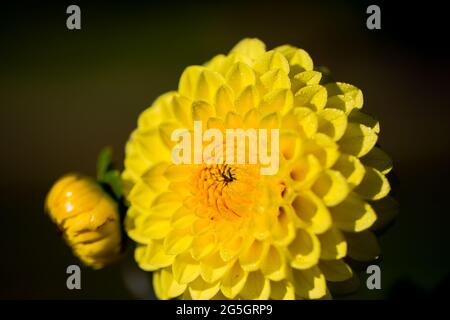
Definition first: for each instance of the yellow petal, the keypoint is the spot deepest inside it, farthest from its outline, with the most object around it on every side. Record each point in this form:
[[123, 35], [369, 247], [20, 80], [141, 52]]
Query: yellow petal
[[183, 218], [154, 177], [233, 121], [323, 148], [248, 99], [331, 187], [199, 83], [185, 269], [270, 121], [203, 245], [250, 47], [231, 247], [335, 270], [310, 283], [353, 214], [333, 245], [332, 122], [283, 231], [152, 256], [351, 168], [151, 147], [202, 290], [299, 60], [280, 100], [149, 227], [304, 250], [269, 61], [182, 109], [224, 101], [362, 246], [359, 117], [240, 76], [274, 265], [307, 121], [275, 79], [213, 268], [257, 287], [233, 281], [311, 211], [162, 108], [168, 287], [305, 78], [344, 96], [374, 185], [252, 257], [202, 111], [313, 97], [178, 240], [358, 139], [252, 118]]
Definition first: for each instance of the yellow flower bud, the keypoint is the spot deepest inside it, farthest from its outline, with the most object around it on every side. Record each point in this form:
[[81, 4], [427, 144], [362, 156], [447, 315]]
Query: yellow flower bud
[[88, 218]]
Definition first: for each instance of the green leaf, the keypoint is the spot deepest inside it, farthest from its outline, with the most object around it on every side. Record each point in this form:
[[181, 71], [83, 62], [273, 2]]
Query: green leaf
[[112, 178], [104, 162]]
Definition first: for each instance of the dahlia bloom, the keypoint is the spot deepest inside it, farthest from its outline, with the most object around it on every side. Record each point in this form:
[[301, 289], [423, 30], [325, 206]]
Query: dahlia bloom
[[226, 231]]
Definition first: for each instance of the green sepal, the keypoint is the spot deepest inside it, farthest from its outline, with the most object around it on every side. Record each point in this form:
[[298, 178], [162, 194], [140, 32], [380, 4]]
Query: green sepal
[[106, 174]]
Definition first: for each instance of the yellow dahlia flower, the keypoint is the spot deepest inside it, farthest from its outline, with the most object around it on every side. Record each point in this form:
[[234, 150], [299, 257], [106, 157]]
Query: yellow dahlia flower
[[226, 231], [88, 218]]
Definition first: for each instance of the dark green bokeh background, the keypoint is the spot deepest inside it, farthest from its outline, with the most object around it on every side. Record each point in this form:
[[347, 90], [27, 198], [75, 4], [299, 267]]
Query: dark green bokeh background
[[66, 94]]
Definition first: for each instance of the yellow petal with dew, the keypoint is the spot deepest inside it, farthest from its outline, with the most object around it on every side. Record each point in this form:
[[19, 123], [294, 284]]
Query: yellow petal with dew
[[374, 185], [344, 96], [331, 187], [224, 102], [280, 100], [299, 60], [239, 77], [357, 116], [269, 61], [248, 99], [332, 122], [351, 168], [250, 47], [312, 96], [358, 139]]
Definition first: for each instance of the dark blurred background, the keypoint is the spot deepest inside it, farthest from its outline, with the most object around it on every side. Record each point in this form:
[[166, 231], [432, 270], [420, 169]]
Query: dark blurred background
[[66, 94]]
